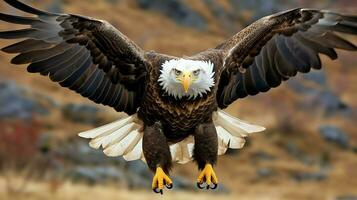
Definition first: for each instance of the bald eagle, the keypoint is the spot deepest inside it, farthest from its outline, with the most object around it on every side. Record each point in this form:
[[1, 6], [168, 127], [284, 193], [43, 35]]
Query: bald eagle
[[173, 105]]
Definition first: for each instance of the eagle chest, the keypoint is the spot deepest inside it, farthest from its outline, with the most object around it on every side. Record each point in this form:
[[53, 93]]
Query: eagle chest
[[177, 115]]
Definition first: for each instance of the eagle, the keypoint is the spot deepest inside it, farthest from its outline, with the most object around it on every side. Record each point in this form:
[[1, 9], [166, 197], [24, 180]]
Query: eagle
[[173, 105]]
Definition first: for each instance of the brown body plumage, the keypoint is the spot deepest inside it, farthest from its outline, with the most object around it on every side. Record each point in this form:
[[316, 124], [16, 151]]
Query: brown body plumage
[[179, 118], [96, 60], [176, 120]]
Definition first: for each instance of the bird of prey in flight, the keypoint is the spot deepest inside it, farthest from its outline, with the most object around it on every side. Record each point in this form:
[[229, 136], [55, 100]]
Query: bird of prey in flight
[[173, 105]]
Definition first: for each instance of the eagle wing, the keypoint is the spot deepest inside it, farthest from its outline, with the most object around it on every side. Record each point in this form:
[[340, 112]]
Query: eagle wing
[[83, 54], [276, 47]]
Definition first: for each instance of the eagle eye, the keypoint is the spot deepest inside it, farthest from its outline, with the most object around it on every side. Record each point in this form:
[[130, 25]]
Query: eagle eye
[[196, 72], [177, 72]]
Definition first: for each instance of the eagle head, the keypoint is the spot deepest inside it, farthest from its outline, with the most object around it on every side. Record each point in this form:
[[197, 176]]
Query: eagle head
[[187, 78]]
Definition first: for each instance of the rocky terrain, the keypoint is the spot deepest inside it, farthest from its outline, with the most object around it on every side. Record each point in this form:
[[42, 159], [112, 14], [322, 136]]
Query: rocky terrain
[[309, 150]]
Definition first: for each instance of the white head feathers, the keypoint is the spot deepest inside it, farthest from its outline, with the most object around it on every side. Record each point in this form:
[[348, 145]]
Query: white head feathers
[[201, 73]]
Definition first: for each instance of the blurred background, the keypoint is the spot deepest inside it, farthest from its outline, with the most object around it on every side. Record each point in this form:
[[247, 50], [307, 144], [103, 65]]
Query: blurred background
[[309, 150]]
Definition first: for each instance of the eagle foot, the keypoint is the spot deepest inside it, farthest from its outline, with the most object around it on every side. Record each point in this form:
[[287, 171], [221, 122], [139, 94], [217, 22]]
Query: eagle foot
[[160, 180], [209, 177]]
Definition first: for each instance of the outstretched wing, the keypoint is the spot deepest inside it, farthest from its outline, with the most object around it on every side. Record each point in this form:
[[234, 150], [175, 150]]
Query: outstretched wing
[[83, 54], [276, 47]]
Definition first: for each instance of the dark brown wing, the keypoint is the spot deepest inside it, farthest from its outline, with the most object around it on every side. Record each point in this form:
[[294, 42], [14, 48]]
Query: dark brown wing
[[83, 54], [276, 47]]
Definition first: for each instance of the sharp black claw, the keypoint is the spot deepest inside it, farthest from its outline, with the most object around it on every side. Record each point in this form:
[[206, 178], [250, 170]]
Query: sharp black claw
[[158, 191], [169, 186], [214, 186], [199, 185]]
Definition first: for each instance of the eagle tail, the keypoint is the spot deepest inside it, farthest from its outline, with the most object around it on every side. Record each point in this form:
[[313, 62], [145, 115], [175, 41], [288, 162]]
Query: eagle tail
[[231, 131], [124, 137], [119, 138]]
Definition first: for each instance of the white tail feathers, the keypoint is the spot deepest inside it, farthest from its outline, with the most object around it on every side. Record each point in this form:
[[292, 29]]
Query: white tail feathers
[[182, 152], [124, 137], [235, 126], [120, 138], [231, 131]]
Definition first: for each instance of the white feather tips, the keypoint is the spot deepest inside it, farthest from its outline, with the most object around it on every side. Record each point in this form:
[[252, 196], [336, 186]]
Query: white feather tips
[[136, 153], [235, 126], [231, 131], [182, 152], [125, 137], [106, 129], [120, 138], [124, 145], [230, 134], [226, 140]]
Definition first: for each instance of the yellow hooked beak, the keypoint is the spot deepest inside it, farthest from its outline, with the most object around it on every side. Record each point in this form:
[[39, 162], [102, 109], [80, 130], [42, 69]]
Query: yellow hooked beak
[[186, 80]]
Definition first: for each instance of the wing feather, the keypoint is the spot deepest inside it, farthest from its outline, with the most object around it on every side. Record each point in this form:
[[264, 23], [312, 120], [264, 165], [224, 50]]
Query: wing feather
[[54, 63], [83, 54], [27, 46], [39, 55], [19, 19], [26, 8], [277, 47], [71, 77]]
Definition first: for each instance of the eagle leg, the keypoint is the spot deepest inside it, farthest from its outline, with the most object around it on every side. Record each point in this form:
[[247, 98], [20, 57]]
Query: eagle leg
[[205, 154], [158, 157]]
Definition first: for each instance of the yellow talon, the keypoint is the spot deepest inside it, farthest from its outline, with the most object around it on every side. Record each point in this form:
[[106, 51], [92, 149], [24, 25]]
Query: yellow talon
[[160, 179], [207, 175]]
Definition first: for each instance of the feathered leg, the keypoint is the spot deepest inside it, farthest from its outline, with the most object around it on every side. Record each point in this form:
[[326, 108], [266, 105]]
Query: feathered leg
[[158, 156], [205, 154]]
